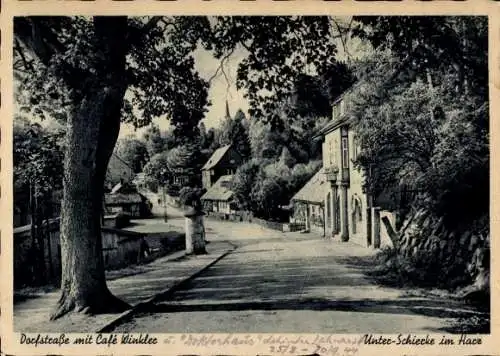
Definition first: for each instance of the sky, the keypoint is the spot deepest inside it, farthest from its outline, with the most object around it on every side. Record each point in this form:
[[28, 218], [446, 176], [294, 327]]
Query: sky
[[220, 91]]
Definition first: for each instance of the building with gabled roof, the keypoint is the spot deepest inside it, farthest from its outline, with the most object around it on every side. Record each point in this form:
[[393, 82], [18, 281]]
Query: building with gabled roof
[[224, 161], [350, 213], [219, 196], [118, 171], [124, 198], [309, 201]]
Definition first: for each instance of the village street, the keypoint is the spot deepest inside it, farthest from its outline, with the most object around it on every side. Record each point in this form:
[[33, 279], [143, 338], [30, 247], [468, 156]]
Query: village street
[[290, 282], [249, 176]]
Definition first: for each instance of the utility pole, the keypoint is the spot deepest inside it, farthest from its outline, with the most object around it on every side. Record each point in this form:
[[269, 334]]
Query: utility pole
[[164, 204]]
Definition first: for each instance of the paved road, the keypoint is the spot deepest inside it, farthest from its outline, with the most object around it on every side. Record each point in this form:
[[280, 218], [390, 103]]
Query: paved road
[[275, 282]]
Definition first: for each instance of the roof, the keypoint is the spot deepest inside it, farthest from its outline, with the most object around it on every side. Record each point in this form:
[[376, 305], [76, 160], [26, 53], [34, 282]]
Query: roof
[[121, 160], [216, 157], [123, 187], [314, 190], [220, 190], [121, 198], [331, 126]]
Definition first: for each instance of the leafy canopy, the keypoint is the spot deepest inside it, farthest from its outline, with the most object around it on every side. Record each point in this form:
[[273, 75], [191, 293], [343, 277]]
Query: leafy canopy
[[55, 73]]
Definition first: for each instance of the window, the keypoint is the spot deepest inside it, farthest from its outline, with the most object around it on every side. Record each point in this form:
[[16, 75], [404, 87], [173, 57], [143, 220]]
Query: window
[[345, 153], [336, 111], [342, 108], [354, 148]]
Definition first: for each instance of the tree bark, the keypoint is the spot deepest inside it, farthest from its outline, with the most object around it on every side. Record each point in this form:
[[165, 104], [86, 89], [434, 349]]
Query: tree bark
[[90, 138]]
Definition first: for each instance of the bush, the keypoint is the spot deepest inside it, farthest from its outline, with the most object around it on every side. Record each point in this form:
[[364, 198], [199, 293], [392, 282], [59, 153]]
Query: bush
[[423, 269], [191, 196], [242, 184], [263, 187]]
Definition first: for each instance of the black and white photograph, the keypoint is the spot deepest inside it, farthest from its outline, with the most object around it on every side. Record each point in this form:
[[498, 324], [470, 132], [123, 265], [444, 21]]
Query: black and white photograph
[[251, 174]]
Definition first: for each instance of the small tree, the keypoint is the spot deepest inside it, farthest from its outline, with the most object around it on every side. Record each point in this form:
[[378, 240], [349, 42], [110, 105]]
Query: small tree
[[38, 157], [242, 183], [157, 170], [268, 194]]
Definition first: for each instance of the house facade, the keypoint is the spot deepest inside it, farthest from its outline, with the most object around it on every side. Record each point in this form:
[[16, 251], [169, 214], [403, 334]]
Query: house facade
[[224, 161], [219, 197], [350, 213], [124, 198], [181, 177], [309, 204]]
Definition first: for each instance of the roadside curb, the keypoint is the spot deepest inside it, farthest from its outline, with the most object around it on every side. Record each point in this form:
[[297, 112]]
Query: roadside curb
[[162, 294]]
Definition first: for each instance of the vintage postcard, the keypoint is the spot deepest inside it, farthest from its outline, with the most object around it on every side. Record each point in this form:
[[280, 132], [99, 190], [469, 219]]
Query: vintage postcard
[[249, 178]]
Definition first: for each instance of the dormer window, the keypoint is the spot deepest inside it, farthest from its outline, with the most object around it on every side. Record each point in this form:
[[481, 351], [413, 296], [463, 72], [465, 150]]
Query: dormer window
[[339, 109], [336, 111]]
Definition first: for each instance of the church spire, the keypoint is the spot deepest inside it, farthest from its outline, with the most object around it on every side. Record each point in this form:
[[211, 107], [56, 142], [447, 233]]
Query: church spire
[[228, 116]]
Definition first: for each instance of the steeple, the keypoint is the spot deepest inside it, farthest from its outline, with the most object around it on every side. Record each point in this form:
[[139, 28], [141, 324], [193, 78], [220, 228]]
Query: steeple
[[228, 116]]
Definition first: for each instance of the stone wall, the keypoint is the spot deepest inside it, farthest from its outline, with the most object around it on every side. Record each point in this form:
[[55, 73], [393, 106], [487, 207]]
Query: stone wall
[[452, 257]]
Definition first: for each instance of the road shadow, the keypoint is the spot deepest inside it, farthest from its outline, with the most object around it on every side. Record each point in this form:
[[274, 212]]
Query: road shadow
[[308, 283], [407, 307]]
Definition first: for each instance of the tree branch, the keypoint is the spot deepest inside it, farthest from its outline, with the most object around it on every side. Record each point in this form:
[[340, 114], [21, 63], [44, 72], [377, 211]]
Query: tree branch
[[339, 29], [17, 47], [220, 68], [37, 37]]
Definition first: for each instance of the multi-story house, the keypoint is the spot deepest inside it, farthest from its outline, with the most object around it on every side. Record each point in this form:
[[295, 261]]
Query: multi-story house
[[224, 161], [347, 210], [350, 213]]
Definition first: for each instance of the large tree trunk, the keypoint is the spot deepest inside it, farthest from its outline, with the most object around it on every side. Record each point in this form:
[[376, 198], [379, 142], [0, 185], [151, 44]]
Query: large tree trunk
[[91, 136]]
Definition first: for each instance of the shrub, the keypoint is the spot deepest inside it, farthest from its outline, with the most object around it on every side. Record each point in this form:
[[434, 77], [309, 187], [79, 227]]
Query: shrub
[[191, 196]]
